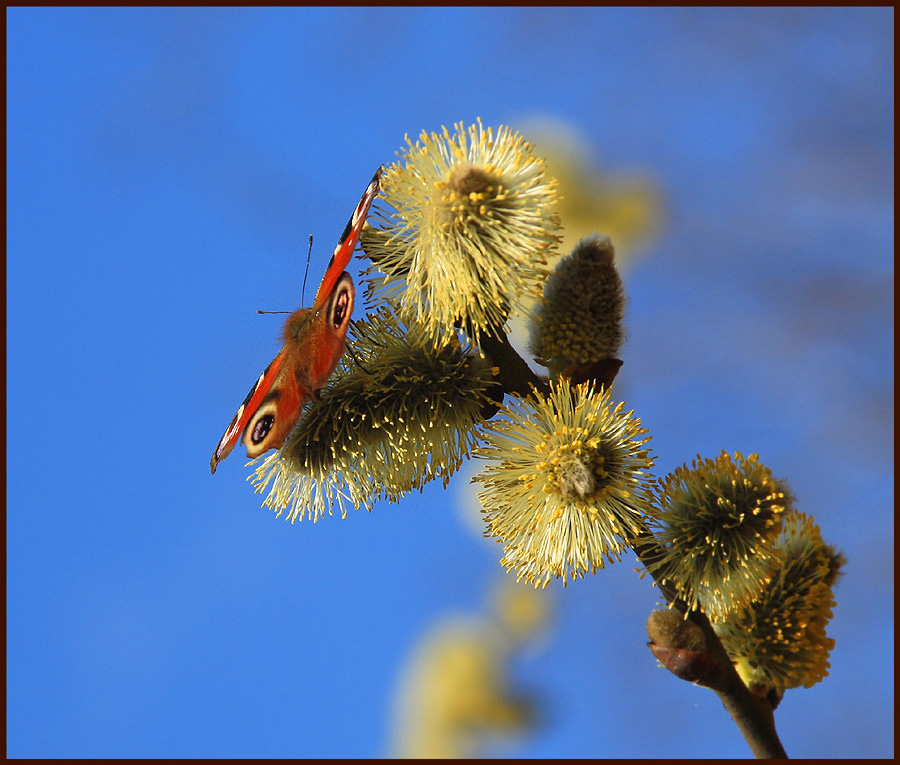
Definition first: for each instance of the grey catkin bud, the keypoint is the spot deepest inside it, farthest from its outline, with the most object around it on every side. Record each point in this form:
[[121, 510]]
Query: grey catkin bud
[[579, 320]]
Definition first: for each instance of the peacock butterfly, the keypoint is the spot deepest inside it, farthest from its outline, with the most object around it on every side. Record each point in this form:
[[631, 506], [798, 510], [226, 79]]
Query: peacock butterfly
[[313, 344]]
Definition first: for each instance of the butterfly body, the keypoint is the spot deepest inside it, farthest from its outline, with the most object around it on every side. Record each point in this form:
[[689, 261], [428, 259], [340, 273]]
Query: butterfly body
[[314, 341]]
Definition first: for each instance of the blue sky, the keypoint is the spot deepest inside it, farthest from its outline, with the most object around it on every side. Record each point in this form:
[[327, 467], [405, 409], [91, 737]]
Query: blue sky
[[164, 169]]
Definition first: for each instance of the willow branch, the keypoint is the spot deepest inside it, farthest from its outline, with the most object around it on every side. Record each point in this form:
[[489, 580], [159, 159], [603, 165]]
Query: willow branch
[[754, 716]]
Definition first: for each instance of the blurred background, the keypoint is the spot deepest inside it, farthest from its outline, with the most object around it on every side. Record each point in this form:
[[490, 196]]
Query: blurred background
[[164, 170]]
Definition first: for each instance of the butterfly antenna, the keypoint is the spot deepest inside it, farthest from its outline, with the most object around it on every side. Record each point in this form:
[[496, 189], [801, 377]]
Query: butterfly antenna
[[306, 272]]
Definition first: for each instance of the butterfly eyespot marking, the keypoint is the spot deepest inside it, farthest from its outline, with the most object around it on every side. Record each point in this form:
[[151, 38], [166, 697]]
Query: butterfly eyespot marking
[[341, 305], [341, 309], [262, 427]]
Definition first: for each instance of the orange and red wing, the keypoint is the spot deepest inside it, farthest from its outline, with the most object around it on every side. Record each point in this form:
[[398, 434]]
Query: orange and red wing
[[347, 243]]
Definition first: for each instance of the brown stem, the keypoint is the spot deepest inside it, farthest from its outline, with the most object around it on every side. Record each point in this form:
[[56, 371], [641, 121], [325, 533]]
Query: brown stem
[[515, 376]]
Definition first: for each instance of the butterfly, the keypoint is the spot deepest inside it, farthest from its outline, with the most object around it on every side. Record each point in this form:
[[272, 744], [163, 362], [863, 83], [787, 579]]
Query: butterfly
[[314, 341]]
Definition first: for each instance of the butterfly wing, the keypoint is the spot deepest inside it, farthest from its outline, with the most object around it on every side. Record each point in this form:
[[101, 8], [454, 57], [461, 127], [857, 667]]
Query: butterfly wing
[[319, 336], [247, 412], [347, 243]]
